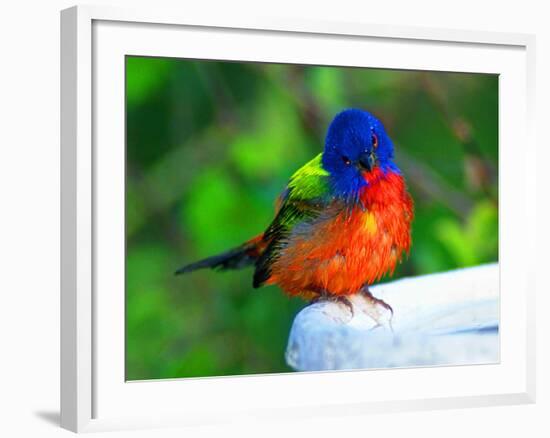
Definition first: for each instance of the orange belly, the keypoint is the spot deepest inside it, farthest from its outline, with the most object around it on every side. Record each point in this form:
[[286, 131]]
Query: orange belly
[[341, 254]]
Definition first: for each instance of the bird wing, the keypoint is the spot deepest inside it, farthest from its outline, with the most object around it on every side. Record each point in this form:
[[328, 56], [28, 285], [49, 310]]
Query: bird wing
[[303, 200]]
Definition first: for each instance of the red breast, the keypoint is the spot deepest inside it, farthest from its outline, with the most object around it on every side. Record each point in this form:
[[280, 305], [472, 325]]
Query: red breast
[[341, 255]]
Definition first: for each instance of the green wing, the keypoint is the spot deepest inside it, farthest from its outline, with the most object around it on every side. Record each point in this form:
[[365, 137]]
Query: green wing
[[304, 198]]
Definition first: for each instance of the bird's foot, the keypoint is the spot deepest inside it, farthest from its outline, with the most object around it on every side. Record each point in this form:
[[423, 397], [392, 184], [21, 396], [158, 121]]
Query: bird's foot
[[340, 299], [376, 308], [369, 296]]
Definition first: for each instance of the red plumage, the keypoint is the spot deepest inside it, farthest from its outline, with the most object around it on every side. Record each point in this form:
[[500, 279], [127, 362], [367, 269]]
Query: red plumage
[[353, 248]]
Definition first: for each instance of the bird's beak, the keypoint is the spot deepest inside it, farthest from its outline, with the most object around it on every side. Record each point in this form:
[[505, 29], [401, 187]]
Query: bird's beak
[[367, 160]]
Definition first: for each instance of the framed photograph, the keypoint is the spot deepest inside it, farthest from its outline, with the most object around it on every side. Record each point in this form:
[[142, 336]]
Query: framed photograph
[[252, 209]]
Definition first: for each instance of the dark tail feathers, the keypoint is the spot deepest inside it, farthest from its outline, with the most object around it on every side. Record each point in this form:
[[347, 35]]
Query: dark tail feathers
[[235, 258]]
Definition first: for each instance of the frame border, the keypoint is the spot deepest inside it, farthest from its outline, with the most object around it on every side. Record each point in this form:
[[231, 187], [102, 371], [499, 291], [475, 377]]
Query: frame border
[[77, 197]]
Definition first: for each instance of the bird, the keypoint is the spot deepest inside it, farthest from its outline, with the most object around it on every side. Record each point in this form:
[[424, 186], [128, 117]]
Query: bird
[[342, 222]]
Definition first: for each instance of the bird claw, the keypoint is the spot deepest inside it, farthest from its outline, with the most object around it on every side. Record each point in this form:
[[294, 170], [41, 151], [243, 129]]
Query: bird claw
[[375, 308], [380, 311], [369, 296], [339, 299]]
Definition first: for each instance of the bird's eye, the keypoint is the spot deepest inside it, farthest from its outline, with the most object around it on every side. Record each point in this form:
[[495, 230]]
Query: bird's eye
[[347, 161], [374, 141]]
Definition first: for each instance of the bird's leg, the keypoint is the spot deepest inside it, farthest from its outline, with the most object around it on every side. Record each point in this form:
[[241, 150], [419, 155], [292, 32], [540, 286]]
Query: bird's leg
[[323, 294], [375, 303], [344, 300], [367, 294]]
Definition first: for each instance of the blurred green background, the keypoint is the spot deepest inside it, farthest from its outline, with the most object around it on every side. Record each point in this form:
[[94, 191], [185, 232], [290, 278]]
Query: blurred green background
[[210, 145]]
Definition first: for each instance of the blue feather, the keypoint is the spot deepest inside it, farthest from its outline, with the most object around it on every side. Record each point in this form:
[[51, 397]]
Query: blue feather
[[351, 134]]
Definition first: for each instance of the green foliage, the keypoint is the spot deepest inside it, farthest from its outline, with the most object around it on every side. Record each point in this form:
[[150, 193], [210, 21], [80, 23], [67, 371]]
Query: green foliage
[[474, 242], [210, 145]]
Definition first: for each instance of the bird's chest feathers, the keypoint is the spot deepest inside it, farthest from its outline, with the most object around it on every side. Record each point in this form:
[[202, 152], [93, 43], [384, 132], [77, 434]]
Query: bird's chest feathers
[[362, 244], [383, 213], [377, 230], [350, 246]]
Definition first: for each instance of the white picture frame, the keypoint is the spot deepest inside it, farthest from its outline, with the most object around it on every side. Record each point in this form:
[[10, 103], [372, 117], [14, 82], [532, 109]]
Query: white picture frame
[[94, 397]]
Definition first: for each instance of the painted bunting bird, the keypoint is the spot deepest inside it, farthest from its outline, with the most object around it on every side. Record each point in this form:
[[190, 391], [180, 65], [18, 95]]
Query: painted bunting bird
[[342, 222]]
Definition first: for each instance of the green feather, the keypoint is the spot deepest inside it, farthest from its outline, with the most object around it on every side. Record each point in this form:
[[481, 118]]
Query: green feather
[[309, 182]]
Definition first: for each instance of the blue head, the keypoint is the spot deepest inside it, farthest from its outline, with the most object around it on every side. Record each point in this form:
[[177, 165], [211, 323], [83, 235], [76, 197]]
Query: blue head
[[356, 144]]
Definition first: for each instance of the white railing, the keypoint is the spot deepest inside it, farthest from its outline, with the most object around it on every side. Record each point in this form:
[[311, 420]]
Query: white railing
[[447, 318]]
